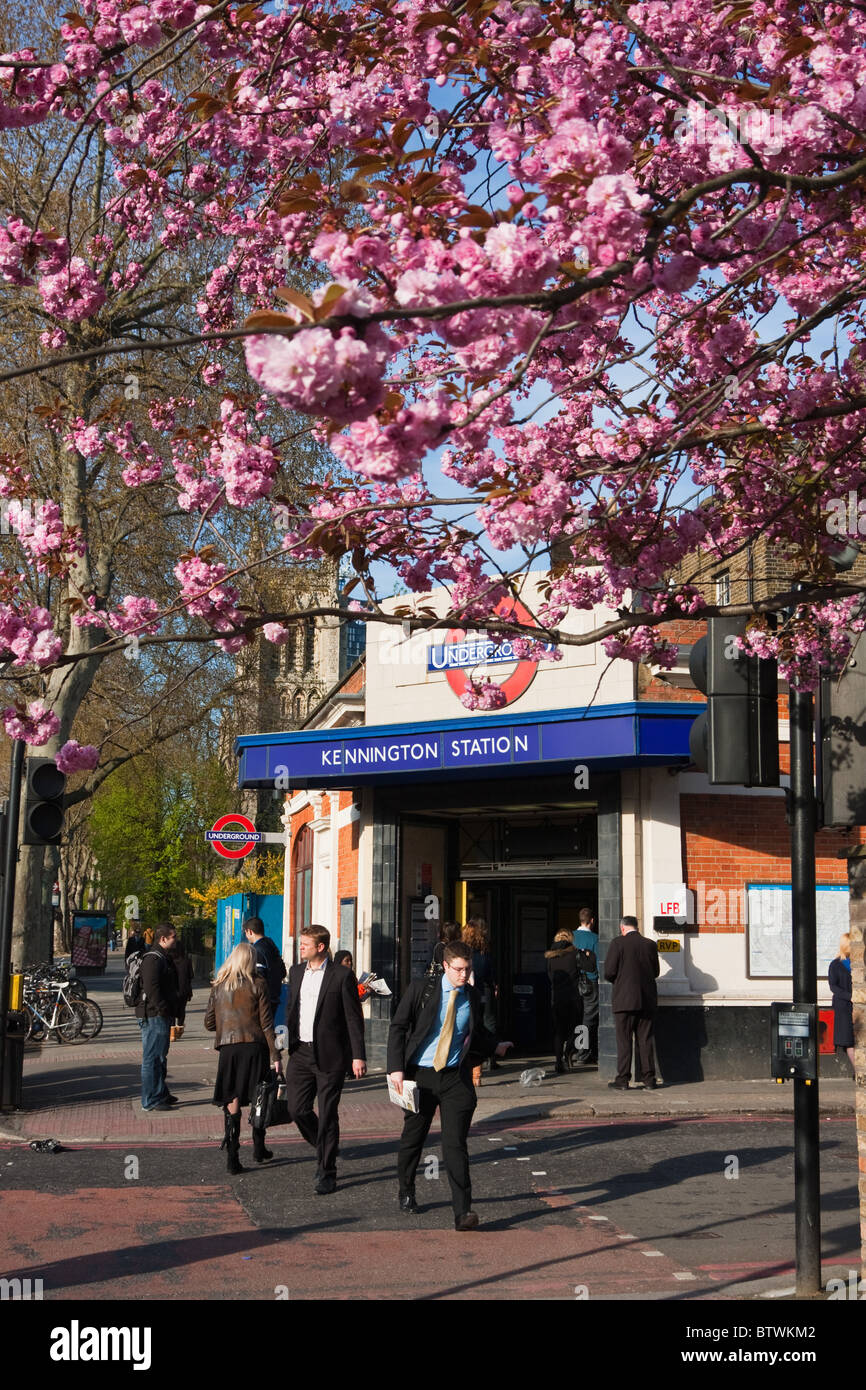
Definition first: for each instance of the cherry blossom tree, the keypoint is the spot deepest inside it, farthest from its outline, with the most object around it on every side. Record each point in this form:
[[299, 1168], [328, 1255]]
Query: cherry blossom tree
[[596, 267]]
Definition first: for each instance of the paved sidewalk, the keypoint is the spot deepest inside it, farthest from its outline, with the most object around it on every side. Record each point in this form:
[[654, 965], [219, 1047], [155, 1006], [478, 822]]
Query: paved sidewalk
[[88, 1093]]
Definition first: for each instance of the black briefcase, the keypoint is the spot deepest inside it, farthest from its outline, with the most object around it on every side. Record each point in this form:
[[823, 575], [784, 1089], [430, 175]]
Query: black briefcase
[[269, 1105]]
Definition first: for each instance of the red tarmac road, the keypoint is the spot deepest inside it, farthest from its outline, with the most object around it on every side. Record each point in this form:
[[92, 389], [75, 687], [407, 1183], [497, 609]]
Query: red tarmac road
[[102, 1250]]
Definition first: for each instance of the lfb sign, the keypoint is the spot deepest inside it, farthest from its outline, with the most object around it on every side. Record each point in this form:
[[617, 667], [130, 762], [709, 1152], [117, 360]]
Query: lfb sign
[[672, 900]]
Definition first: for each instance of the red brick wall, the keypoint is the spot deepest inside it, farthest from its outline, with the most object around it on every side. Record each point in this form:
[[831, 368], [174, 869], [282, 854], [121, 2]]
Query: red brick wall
[[354, 683], [729, 841], [346, 876], [685, 632], [347, 852], [298, 820]]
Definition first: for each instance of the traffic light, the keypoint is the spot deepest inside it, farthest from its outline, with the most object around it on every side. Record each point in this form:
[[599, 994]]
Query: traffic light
[[843, 741], [736, 739], [44, 785]]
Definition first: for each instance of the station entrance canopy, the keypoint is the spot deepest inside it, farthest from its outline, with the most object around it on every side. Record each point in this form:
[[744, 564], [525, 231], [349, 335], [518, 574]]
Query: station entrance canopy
[[636, 734]]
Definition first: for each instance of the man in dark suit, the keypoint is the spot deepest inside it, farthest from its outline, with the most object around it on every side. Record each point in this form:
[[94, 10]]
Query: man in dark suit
[[436, 1034], [632, 967], [326, 1038], [269, 962]]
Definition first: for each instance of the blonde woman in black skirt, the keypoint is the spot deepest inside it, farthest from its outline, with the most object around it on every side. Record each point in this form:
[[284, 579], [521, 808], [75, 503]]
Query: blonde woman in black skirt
[[239, 1012]]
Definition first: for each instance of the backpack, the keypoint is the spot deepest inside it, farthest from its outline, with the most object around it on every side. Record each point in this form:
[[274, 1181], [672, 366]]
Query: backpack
[[131, 986], [586, 960]]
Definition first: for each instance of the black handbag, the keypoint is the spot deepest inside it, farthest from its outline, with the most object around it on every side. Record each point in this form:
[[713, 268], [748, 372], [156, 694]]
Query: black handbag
[[269, 1105]]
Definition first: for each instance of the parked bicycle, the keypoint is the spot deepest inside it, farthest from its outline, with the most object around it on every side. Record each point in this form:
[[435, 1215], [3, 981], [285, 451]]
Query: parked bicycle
[[51, 1010], [64, 971]]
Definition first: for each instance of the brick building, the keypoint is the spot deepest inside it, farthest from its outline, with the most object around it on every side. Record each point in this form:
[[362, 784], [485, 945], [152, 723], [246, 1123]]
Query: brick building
[[406, 808]]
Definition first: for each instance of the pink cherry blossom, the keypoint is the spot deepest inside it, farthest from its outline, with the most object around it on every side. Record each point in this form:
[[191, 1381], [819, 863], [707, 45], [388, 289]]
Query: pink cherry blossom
[[73, 293], [77, 757], [35, 727]]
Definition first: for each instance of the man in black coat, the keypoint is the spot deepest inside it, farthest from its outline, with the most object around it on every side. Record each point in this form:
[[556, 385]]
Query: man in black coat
[[326, 1038], [156, 1010], [632, 967], [269, 963], [436, 1034]]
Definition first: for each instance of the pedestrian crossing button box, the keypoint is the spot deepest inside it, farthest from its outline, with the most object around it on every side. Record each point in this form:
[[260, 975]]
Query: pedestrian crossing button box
[[794, 1042]]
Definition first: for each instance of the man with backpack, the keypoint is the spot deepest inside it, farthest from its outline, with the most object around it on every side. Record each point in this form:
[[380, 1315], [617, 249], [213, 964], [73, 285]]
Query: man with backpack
[[152, 981], [270, 965]]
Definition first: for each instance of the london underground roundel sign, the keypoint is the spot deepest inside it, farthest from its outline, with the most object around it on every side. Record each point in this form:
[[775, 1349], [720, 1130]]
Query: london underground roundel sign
[[243, 839], [460, 657]]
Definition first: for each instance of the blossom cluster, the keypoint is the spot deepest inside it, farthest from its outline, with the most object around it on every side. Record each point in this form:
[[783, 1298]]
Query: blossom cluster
[[577, 259]]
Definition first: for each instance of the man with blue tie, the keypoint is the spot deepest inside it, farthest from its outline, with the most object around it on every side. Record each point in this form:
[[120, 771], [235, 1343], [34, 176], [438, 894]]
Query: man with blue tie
[[435, 1035]]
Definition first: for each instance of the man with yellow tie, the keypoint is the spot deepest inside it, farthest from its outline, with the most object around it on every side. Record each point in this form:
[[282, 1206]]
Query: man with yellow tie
[[435, 1035]]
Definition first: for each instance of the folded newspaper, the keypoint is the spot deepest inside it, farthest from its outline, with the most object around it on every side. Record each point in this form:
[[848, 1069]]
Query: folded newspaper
[[373, 984], [408, 1100]]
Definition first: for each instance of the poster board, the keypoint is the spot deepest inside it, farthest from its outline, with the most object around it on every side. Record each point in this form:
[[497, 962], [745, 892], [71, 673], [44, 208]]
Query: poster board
[[348, 907], [423, 934], [768, 929], [89, 942]]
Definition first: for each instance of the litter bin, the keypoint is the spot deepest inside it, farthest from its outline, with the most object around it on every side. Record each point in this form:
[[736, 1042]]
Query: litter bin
[[13, 1061]]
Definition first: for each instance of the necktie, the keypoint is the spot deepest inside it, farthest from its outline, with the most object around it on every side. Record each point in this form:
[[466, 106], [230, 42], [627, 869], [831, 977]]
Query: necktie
[[443, 1047]]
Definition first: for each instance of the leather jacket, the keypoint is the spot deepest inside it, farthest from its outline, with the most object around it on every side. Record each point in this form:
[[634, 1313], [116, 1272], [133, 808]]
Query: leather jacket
[[241, 1016]]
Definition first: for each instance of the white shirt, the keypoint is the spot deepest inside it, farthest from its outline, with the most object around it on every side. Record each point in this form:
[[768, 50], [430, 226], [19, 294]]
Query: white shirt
[[311, 986]]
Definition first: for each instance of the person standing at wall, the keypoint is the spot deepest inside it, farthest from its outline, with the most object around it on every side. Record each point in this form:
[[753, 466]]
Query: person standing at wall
[[841, 988], [586, 939], [326, 1038], [632, 967]]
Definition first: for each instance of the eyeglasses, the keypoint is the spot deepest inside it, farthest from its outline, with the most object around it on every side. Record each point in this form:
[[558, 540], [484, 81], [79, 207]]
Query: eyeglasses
[[460, 969]]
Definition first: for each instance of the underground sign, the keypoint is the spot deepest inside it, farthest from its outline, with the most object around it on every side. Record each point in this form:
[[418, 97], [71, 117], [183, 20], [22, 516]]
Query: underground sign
[[242, 840], [459, 657]]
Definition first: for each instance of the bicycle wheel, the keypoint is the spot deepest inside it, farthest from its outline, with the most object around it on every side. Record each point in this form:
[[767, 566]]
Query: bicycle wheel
[[35, 1027], [67, 1024], [91, 1018], [76, 990]]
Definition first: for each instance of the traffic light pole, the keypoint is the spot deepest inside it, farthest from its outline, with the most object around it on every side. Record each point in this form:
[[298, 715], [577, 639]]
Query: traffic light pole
[[7, 898], [807, 1190]]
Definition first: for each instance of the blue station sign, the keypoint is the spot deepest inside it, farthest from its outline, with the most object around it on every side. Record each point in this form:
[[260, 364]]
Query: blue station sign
[[614, 735]]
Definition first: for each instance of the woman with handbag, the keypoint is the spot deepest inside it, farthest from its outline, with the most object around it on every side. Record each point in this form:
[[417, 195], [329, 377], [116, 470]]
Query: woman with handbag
[[239, 1012], [566, 1002]]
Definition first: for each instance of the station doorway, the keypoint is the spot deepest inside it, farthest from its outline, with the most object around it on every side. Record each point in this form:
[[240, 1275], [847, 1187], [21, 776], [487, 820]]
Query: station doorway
[[524, 916], [527, 867]]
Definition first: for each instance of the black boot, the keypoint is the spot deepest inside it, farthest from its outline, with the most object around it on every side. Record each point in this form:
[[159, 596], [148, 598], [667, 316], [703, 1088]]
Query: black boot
[[260, 1153], [232, 1142]]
